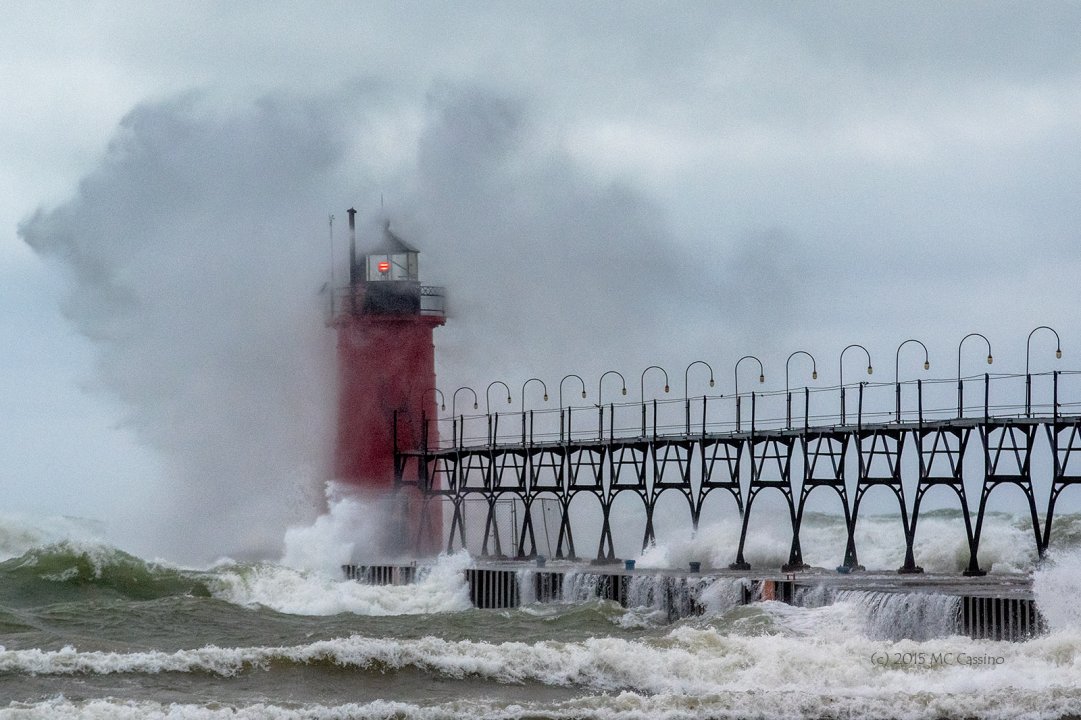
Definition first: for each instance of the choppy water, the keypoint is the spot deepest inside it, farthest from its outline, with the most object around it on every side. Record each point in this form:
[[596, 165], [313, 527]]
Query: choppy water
[[89, 631]]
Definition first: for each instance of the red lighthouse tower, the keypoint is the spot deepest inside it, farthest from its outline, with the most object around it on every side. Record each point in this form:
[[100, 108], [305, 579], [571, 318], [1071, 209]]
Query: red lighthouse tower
[[386, 369]]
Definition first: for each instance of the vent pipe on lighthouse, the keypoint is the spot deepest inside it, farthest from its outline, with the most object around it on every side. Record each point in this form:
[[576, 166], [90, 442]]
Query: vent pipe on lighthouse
[[352, 246]]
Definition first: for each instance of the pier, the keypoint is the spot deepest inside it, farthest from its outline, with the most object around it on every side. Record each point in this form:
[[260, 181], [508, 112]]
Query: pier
[[990, 607]]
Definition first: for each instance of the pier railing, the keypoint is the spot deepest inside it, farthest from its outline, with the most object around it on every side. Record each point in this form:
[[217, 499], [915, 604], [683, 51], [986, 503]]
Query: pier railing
[[1036, 395]]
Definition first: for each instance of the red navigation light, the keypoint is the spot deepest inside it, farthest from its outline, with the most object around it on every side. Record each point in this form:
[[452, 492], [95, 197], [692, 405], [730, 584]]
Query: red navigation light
[[383, 267]]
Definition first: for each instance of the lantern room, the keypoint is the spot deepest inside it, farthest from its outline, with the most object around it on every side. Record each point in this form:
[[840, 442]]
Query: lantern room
[[392, 260], [389, 272]]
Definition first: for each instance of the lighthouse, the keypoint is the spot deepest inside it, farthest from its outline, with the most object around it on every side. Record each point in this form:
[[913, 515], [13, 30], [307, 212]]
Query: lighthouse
[[385, 321]]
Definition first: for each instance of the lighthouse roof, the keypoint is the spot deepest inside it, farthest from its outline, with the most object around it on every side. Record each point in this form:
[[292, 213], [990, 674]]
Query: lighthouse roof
[[391, 244]]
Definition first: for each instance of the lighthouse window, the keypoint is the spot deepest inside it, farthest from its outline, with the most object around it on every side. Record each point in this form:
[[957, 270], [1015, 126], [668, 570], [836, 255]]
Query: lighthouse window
[[398, 266]]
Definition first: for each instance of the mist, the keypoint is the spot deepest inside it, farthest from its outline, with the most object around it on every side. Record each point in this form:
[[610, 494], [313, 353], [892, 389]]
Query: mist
[[551, 269], [197, 261]]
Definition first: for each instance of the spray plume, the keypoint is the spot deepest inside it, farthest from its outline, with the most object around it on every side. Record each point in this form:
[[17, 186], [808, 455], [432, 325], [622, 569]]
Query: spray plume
[[196, 250], [195, 268]]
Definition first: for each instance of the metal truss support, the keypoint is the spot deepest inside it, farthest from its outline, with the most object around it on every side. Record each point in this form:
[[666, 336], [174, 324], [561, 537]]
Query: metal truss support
[[720, 466], [490, 524], [565, 529], [770, 453], [1065, 437], [942, 464], [627, 466], [830, 446], [605, 547], [1007, 453], [668, 456], [880, 466], [457, 521]]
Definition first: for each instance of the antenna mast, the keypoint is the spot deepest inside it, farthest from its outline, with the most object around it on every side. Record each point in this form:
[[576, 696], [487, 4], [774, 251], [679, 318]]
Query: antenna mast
[[332, 253]]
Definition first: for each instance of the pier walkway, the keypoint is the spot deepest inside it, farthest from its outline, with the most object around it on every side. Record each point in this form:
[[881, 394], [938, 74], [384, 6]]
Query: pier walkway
[[907, 438]]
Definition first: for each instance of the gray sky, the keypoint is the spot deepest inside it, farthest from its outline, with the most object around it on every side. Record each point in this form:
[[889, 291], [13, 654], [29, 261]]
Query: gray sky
[[608, 185]]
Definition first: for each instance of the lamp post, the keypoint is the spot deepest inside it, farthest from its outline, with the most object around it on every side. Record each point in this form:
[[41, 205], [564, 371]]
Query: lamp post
[[493, 432], [583, 382], [454, 414], [787, 392], [735, 374], [437, 391], [897, 367], [642, 393], [960, 385], [1028, 377], [841, 378], [454, 399], [600, 399], [686, 395], [487, 395], [532, 379]]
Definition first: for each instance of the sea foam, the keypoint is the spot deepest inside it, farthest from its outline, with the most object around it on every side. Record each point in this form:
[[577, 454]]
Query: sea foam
[[689, 669], [1057, 585], [439, 588], [1007, 543]]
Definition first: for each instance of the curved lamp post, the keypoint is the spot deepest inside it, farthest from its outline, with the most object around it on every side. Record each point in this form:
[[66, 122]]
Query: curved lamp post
[[686, 396], [841, 377], [532, 379], [960, 385], [583, 382], [735, 374], [1028, 377], [454, 399], [454, 415], [565, 377], [493, 431], [787, 392], [436, 391], [488, 392], [642, 393], [600, 399], [897, 367], [600, 384], [642, 381]]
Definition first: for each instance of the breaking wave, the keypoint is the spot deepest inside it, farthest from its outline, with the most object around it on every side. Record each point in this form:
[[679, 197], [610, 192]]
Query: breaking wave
[[1007, 543], [439, 588], [69, 571], [689, 671]]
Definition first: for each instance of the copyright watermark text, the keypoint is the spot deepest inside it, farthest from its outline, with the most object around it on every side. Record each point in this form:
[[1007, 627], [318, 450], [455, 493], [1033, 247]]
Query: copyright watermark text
[[884, 658]]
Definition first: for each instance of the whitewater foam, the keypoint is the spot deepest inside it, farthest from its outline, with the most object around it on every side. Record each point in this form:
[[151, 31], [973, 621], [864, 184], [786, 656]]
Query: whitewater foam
[[350, 531], [992, 704], [440, 587], [1057, 587], [1007, 544], [690, 666]]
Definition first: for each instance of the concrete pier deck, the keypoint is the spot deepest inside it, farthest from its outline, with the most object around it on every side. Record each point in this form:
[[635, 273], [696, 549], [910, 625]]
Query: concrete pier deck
[[994, 606]]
